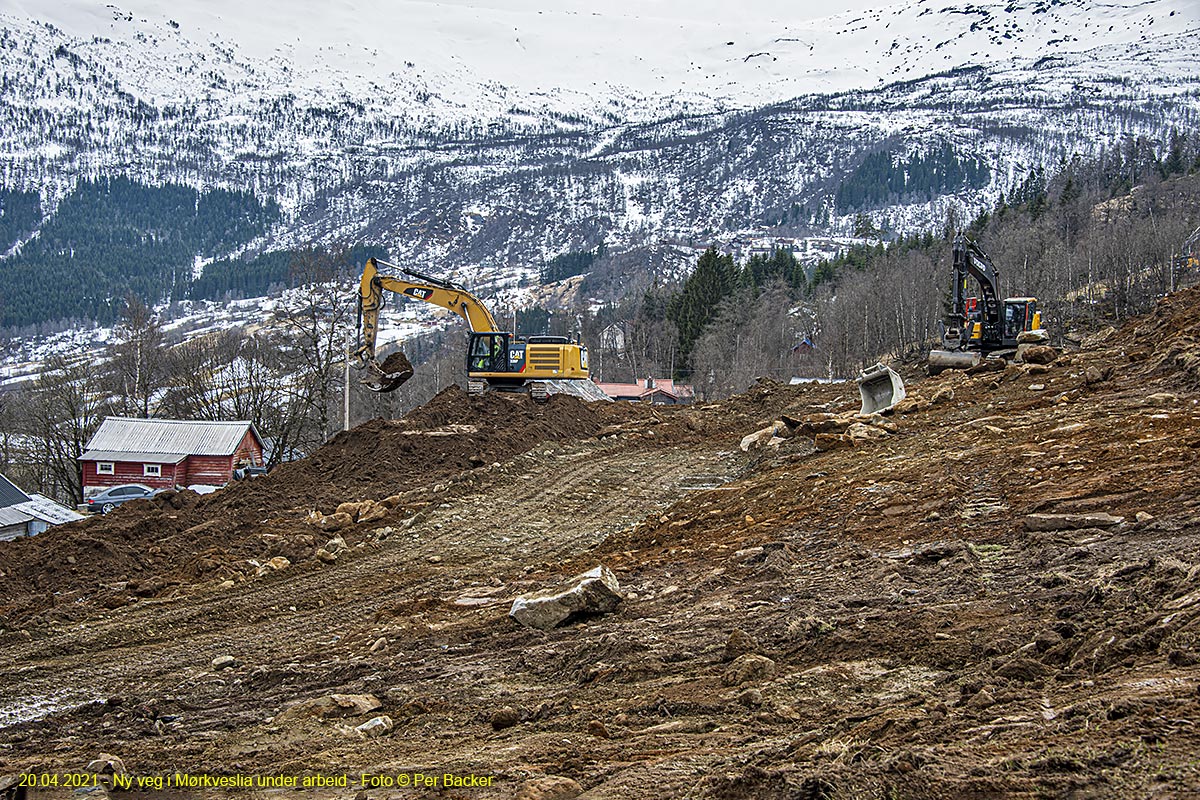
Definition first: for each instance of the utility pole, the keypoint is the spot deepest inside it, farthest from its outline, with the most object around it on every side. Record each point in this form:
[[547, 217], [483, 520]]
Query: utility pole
[[346, 386]]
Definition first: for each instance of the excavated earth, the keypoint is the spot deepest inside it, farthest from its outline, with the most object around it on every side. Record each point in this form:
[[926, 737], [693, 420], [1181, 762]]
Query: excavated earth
[[992, 592]]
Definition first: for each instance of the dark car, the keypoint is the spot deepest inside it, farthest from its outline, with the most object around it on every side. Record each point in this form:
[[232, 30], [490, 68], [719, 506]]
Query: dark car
[[114, 496], [242, 473]]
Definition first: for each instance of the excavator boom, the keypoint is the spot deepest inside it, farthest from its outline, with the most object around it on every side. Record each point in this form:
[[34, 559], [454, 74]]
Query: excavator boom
[[396, 369]]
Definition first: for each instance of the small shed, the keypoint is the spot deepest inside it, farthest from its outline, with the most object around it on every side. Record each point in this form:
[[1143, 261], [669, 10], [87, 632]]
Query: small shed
[[164, 453], [24, 514]]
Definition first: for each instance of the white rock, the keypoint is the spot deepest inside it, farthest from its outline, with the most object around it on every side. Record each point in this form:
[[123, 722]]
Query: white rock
[[1035, 336], [106, 763], [1070, 522], [376, 726], [860, 431], [595, 592], [757, 439]]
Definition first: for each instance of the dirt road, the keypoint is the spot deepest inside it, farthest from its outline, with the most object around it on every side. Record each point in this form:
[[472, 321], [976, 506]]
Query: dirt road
[[994, 591]]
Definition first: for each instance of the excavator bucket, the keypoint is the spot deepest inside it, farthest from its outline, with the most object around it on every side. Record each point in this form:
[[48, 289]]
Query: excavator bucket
[[388, 376], [952, 359], [881, 388]]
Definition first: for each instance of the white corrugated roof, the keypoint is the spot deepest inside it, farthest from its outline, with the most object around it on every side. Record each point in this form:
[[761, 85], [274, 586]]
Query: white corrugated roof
[[13, 516], [168, 436], [133, 455], [47, 510]]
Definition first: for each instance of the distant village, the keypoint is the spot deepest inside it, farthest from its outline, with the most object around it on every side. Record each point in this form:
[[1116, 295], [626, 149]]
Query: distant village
[[809, 250]]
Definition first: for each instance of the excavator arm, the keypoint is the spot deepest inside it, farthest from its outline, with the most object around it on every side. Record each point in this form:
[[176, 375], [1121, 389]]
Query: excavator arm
[[396, 369], [969, 260]]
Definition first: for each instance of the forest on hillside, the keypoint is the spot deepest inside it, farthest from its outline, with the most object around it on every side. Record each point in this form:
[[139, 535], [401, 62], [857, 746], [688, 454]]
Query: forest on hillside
[[111, 238], [1099, 239]]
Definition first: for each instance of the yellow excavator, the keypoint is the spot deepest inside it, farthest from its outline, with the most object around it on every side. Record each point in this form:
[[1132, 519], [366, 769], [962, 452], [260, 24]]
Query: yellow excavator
[[496, 359]]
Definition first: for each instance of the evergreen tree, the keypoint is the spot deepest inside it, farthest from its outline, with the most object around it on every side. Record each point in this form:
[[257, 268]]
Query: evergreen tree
[[715, 277]]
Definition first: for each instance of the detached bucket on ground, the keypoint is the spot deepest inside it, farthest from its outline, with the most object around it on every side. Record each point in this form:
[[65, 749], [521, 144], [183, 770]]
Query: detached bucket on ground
[[880, 388]]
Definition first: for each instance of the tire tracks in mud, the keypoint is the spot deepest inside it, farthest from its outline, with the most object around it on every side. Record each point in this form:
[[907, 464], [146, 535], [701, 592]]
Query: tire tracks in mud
[[550, 504]]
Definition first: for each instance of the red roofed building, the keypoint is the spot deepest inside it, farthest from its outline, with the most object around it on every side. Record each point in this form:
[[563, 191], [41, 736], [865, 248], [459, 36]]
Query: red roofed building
[[660, 391], [164, 453]]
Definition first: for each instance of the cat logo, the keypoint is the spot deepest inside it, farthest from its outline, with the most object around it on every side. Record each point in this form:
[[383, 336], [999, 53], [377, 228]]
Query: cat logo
[[419, 292]]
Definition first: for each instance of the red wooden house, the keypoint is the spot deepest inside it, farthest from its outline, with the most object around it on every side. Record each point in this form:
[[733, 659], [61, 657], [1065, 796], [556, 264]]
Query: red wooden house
[[659, 391], [163, 453]]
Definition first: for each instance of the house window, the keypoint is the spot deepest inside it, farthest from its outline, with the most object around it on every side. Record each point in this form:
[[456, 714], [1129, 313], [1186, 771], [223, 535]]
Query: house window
[[152, 470], [104, 468]]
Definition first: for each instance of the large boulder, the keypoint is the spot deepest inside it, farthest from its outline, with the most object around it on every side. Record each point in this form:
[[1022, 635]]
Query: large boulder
[[1035, 336], [860, 431], [1071, 522], [747, 668], [593, 592], [814, 424], [757, 439], [376, 727], [333, 705], [1036, 353], [334, 522], [832, 441]]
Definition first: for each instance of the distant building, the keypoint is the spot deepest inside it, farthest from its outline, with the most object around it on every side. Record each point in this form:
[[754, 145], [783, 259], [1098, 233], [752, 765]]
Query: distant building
[[613, 338], [164, 453], [660, 391], [28, 514], [743, 248]]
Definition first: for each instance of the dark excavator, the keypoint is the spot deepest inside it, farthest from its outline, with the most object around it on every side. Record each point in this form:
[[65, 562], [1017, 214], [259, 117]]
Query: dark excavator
[[980, 326]]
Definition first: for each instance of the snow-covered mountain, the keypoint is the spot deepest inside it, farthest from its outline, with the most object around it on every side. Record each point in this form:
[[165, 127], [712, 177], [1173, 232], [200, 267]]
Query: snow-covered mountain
[[471, 60], [481, 138]]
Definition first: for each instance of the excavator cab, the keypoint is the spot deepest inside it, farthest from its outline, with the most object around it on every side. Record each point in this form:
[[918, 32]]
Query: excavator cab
[[973, 319], [1020, 315], [488, 352]]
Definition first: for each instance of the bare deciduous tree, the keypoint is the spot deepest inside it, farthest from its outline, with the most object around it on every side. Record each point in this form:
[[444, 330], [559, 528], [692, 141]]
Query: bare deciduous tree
[[137, 360], [61, 411]]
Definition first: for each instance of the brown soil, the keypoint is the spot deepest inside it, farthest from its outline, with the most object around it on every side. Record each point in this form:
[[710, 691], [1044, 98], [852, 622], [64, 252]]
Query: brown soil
[[396, 363], [152, 548], [923, 640]]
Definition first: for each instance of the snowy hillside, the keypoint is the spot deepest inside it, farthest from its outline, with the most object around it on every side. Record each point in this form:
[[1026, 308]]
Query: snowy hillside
[[468, 59]]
